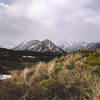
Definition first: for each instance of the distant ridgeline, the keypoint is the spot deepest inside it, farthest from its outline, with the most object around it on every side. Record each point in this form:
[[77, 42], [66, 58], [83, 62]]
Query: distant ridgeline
[[48, 45], [39, 46]]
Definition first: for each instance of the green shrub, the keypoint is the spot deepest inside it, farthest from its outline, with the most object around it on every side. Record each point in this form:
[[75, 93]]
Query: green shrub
[[46, 83], [20, 83], [58, 69]]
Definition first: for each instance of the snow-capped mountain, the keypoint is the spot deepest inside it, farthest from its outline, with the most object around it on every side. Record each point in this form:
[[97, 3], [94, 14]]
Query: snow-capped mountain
[[27, 45], [94, 46], [39, 46], [71, 46], [47, 45]]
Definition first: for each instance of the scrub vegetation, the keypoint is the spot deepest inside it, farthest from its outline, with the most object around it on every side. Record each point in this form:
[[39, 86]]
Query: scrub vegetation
[[75, 76]]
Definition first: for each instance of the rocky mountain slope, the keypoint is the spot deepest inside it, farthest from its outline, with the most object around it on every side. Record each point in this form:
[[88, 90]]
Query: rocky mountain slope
[[71, 46], [38, 46], [47, 45]]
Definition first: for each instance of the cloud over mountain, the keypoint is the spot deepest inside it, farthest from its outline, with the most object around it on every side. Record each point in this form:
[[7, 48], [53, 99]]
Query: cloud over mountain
[[54, 19]]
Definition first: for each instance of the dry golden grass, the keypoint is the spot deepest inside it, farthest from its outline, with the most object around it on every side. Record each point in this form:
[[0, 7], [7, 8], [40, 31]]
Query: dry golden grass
[[51, 69], [78, 65], [73, 75], [40, 73]]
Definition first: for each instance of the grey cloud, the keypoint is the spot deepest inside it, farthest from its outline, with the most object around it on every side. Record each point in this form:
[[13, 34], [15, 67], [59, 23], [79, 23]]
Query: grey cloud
[[95, 5], [54, 19], [7, 1]]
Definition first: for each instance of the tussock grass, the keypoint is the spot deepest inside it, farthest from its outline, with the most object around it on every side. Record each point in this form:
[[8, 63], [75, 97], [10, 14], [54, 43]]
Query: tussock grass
[[68, 75]]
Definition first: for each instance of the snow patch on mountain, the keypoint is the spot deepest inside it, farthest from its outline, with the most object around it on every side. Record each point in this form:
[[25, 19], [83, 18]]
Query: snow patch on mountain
[[27, 45], [38, 46], [71, 46]]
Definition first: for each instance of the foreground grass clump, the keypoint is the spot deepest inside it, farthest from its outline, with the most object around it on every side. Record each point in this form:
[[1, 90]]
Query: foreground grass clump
[[64, 78]]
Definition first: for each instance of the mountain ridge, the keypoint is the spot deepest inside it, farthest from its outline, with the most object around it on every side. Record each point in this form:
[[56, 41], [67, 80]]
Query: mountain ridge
[[39, 46], [48, 45], [71, 46]]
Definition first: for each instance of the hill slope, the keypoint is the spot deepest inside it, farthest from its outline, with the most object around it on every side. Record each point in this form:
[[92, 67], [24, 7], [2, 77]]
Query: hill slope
[[69, 77], [11, 60]]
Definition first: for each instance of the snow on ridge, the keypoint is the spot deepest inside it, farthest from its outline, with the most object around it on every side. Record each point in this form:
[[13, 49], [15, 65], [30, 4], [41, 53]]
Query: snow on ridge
[[71, 46]]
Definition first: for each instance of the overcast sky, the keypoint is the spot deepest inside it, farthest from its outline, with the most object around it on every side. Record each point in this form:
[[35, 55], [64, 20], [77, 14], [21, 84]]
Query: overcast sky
[[58, 20]]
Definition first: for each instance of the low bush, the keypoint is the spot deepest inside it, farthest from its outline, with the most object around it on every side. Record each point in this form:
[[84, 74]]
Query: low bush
[[58, 69]]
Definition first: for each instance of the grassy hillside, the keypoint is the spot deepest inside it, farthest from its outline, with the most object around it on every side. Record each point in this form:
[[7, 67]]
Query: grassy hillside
[[74, 76], [15, 60], [92, 58]]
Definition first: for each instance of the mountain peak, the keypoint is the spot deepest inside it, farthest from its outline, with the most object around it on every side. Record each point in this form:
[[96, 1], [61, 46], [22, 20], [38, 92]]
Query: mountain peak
[[39, 46], [47, 40]]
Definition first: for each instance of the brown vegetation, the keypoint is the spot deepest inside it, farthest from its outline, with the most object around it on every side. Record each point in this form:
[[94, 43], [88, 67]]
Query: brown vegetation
[[65, 78]]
